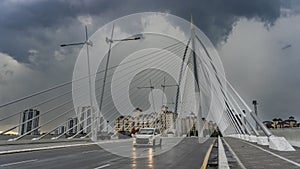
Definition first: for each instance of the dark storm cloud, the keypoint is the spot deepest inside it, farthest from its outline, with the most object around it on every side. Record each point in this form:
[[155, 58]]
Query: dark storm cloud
[[41, 26], [25, 25]]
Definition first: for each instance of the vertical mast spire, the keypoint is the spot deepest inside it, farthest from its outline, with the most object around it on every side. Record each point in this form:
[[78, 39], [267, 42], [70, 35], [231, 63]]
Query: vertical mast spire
[[192, 22], [197, 85]]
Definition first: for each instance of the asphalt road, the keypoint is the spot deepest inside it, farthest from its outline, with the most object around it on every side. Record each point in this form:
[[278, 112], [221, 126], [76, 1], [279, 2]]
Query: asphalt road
[[174, 153], [254, 156]]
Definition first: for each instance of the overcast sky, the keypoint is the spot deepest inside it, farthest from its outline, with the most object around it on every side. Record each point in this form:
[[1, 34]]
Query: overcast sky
[[258, 42]]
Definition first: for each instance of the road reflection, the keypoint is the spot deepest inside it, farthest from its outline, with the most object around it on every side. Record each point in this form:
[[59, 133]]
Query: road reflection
[[142, 162], [150, 158], [134, 158]]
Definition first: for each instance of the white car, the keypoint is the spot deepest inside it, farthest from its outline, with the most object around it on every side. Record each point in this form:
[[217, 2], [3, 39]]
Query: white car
[[147, 136]]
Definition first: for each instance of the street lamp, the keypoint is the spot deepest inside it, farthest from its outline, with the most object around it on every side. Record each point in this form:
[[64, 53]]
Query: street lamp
[[174, 115], [254, 102], [151, 87], [88, 43], [110, 41], [134, 37], [107, 125]]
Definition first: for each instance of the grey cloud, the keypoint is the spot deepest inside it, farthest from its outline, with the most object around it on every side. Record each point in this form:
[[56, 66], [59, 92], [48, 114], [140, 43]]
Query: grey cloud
[[290, 7], [44, 25], [27, 25], [9, 72], [261, 70]]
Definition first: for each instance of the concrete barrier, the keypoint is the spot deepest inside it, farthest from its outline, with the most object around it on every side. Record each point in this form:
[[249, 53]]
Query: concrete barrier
[[263, 140], [238, 136], [280, 144], [247, 137], [292, 135], [253, 138]]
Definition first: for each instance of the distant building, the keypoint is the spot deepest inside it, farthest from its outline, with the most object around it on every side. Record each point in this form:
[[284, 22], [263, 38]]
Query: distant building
[[163, 120], [60, 130], [72, 126], [123, 123], [186, 124], [212, 127], [170, 119], [279, 123], [137, 112], [84, 115], [29, 121], [291, 122], [268, 124]]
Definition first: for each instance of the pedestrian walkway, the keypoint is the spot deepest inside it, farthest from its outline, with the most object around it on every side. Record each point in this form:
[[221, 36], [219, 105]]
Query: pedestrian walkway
[[253, 156]]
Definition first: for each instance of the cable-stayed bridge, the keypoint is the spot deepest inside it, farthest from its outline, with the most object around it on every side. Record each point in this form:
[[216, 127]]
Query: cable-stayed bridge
[[145, 80]]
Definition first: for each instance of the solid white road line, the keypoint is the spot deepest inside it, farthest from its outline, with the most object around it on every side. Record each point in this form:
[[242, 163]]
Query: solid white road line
[[276, 155], [103, 166], [91, 151], [234, 155], [20, 162]]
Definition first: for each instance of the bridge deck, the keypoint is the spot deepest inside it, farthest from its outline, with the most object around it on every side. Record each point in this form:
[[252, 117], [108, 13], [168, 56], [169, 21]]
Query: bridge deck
[[256, 156], [187, 154]]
